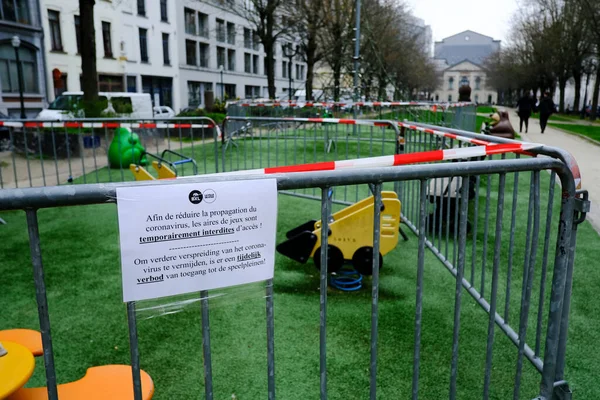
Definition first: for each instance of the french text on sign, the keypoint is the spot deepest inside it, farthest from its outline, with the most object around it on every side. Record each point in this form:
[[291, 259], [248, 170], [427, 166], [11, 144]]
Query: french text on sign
[[195, 237]]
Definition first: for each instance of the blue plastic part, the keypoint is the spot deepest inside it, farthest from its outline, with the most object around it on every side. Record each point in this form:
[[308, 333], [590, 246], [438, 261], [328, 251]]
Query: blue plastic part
[[347, 280]]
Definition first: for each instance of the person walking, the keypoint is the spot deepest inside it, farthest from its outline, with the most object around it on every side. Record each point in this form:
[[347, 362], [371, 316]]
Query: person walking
[[525, 106], [547, 108]]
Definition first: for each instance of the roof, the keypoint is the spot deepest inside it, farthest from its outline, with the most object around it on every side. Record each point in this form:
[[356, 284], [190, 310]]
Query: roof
[[469, 32], [455, 54], [463, 61]]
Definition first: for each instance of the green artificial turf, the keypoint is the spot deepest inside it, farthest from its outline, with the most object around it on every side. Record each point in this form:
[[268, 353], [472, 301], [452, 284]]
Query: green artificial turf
[[557, 117], [592, 132], [486, 110], [89, 325]]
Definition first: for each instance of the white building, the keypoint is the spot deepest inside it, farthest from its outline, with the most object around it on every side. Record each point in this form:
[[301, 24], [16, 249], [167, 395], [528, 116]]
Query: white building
[[21, 18], [171, 49], [212, 36], [459, 59], [135, 47]]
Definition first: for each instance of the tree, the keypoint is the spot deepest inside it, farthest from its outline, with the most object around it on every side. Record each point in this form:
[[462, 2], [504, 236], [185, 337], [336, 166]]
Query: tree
[[337, 38], [270, 19], [309, 22], [592, 14], [89, 74]]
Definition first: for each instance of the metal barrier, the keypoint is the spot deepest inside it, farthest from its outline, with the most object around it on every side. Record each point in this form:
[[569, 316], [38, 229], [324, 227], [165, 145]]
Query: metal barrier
[[43, 153], [452, 228], [455, 115]]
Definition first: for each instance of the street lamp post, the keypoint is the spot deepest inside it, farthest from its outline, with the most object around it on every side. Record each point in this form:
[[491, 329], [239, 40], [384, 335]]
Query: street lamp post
[[287, 52], [16, 42], [221, 69]]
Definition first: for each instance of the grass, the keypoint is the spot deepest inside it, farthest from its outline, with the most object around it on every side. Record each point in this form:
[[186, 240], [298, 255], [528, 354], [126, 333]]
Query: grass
[[592, 132], [557, 117], [486, 110], [81, 256]]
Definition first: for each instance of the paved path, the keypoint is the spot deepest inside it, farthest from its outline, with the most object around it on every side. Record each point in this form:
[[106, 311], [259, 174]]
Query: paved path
[[586, 154]]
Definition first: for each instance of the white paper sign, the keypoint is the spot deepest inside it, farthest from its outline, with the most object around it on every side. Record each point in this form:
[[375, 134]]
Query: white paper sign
[[198, 236]]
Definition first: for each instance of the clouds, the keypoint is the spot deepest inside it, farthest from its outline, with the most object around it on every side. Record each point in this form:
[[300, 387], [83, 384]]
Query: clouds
[[448, 17]]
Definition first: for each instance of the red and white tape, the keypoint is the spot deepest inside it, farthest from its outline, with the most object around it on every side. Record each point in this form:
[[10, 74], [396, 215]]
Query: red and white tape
[[359, 104], [390, 161], [75, 124]]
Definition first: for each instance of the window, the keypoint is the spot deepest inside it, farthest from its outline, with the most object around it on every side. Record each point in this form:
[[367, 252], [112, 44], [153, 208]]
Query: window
[[107, 40], [252, 92], [231, 60], [110, 83], [284, 69], [230, 33], [190, 21], [297, 71], [449, 97], [247, 38], [204, 52], [255, 64], [302, 73], [196, 92], [165, 43], [122, 105], [220, 30], [132, 84], [230, 91], [203, 24], [144, 45], [450, 84], [190, 52], [476, 98], [8, 69], [163, 11], [220, 57], [141, 7], [464, 81], [477, 84], [78, 34], [255, 40], [247, 63], [15, 11], [55, 38]]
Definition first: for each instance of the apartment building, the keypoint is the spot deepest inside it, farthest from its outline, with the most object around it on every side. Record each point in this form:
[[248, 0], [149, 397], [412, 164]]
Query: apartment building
[[176, 50], [135, 47], [21, 18], [219, 52]]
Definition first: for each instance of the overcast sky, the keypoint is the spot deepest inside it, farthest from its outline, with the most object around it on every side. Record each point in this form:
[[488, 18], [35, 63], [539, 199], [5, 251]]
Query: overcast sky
[[448, 17]]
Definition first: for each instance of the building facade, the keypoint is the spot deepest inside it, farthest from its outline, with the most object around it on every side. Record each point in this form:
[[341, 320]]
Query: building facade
[[21, 18], [172, 49], [135, 47], [459, 60], [219, 52]]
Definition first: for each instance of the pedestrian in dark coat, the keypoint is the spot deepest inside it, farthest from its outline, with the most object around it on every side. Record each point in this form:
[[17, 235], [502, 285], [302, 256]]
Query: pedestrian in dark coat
[[547, 108], [525, 106]]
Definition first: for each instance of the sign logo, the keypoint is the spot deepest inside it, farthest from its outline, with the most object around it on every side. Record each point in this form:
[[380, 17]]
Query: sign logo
[[195, 197], [209, 196]]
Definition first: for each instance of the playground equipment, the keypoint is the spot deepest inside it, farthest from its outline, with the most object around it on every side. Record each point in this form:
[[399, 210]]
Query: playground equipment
[[17, 366], [351, 235], [126, 149], [164, 168]]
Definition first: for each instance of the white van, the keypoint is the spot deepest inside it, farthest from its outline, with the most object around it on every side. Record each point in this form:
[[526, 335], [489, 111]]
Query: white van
[[124, 104]]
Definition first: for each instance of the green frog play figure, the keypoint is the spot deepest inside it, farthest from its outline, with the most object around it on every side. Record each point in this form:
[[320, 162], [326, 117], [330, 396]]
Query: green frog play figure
[[126, 149]]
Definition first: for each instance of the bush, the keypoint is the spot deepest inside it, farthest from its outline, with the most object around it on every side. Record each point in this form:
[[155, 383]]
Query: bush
[[198, 112]]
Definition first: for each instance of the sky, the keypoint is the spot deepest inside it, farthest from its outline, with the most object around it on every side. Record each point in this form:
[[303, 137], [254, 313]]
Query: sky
[[448, 17]]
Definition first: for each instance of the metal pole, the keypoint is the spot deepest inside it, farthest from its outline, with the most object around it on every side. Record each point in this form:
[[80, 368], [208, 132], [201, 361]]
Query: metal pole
[[20, 76], [356, 53], [222, 87], [290, 78]]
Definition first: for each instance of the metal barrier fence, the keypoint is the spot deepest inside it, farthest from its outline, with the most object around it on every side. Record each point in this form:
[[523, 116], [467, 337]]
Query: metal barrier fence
[[455, 115], [460, 237], [44, 153]]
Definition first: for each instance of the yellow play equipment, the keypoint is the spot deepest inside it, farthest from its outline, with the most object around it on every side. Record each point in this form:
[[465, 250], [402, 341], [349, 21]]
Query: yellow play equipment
[[165, 169], [141, 174], [350, 237]]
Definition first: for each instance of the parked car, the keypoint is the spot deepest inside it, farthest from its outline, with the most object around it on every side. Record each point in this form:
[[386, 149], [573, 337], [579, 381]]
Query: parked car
[[123, 104], [163, 112]]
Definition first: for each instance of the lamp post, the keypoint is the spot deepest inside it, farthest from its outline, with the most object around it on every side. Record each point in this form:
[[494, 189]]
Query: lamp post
[[16, 42], [287, 52], [221, 69]]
